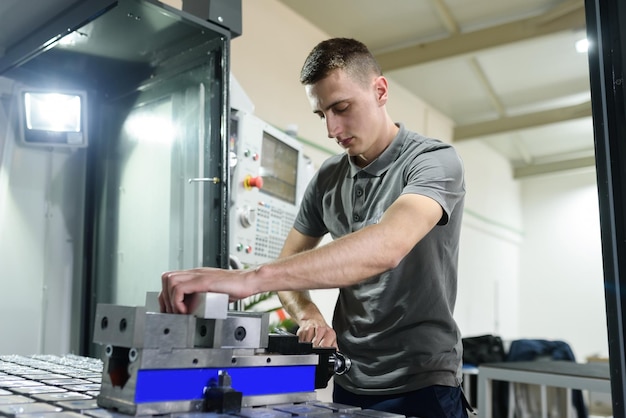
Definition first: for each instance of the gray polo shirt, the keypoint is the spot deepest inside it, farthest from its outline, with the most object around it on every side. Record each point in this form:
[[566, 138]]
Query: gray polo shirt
[[397, 327]]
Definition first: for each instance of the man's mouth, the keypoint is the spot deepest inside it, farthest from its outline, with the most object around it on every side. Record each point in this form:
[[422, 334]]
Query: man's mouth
[[344, 142]]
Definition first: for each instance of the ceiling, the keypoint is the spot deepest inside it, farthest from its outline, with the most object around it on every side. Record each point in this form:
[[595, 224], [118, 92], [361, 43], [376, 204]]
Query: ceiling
[[506, 72], [18, 18]]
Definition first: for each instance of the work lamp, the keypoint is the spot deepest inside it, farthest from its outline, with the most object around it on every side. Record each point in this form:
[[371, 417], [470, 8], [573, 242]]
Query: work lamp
[[53, 118]]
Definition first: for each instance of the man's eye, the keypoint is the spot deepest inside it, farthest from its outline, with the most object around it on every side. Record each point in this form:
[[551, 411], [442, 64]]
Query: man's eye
[[341, 109]]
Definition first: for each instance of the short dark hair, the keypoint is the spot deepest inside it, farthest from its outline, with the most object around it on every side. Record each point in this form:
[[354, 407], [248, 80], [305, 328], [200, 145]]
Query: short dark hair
[[346, 54]]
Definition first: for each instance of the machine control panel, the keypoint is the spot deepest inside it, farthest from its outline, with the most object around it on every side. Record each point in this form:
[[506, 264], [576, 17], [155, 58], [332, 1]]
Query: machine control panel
[[268, 172]]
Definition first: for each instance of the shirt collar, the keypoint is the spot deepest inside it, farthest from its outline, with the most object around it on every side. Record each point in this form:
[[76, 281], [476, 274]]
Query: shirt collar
[[381, 164]]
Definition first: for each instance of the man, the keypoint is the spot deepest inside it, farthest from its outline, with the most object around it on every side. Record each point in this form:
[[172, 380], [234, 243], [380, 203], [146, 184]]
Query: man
[[393, 205]]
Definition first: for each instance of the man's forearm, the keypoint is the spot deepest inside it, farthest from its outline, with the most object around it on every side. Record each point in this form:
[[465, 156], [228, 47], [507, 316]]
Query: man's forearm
[[356, 256], [312, 326], [298, 304], [340, 263]]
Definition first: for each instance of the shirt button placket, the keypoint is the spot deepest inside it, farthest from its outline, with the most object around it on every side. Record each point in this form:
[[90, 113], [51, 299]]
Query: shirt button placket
[[358, 203]]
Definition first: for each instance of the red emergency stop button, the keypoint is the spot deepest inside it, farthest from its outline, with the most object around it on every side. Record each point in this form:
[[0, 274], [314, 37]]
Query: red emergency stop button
[[249, 182]]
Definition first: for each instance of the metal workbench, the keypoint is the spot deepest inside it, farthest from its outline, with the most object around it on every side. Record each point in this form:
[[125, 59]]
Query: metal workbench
[[593, 377]]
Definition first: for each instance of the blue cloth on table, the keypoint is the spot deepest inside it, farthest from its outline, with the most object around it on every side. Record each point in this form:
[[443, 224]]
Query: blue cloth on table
[[529, 350]]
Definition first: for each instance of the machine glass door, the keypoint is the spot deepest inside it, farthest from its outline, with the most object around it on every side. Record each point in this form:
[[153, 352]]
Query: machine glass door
[[161, 179]]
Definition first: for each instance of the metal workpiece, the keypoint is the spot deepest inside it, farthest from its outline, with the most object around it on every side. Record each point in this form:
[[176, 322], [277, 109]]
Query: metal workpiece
[[210, 305], [203, 305]]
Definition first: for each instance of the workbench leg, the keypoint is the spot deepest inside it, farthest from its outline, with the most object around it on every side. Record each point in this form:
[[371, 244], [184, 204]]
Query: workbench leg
[[511, 408], [484, 396], [544, 401]]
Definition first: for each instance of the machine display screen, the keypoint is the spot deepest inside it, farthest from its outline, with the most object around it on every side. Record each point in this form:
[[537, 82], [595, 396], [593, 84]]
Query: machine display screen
[[279, 168]]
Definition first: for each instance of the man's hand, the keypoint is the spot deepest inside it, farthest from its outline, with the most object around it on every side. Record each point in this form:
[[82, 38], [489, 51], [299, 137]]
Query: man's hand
[[313, 327], [178, 287], [318, 333]]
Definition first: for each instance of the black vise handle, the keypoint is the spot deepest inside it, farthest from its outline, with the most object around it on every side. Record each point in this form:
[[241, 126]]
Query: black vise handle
[[330, 361]]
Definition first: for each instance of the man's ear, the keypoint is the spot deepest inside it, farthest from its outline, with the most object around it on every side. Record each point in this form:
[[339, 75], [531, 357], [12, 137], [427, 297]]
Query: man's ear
[[382, 89]]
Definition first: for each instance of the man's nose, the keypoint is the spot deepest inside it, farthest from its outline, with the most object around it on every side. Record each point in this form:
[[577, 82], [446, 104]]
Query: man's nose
[[332, 126]]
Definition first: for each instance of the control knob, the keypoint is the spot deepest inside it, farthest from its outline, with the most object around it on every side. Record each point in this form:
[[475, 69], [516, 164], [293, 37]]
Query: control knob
[[247, 216]]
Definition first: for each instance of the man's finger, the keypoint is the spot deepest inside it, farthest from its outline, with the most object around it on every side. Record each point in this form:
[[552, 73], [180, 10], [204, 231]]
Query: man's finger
[[306, 334], [161, 302], [177, 298], [319, 338], [325, 338], [164, 296], [174, 286]]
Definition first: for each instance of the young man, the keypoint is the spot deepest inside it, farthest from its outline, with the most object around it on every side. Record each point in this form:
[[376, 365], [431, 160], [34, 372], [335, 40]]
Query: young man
[[393, 205]]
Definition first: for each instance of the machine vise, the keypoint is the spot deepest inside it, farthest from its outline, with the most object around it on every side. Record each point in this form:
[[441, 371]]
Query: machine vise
[[213, 360]]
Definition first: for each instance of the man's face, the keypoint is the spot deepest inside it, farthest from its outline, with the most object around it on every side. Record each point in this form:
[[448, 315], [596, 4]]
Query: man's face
[[353, 112]]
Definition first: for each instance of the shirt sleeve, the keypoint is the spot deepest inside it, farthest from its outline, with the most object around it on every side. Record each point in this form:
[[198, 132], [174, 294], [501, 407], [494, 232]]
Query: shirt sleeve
[[437, 174], [309, 220]]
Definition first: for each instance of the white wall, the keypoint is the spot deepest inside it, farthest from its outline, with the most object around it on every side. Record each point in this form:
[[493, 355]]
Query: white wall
[[491, 237], [562, 291]]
